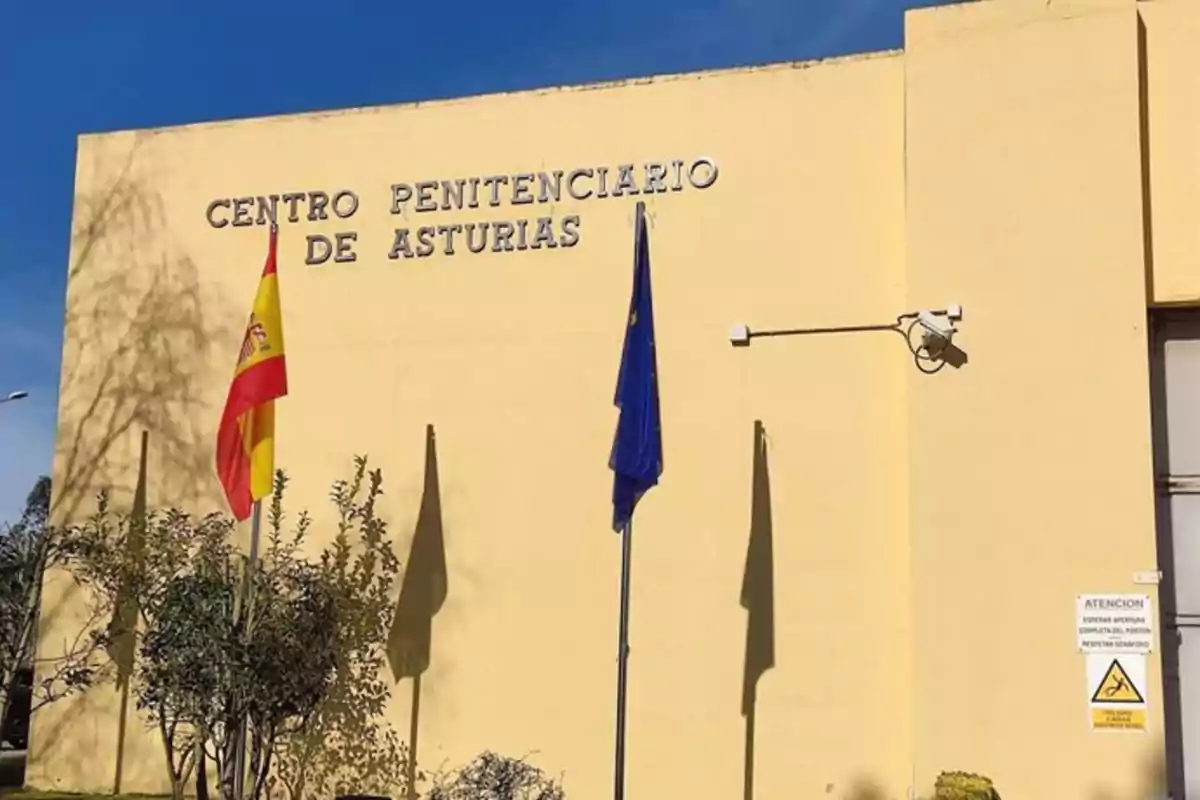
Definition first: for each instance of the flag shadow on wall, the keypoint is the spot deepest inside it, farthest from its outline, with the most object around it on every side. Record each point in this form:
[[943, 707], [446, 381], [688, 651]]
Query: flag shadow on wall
[[122, 629], [758, 597], [422, 594]]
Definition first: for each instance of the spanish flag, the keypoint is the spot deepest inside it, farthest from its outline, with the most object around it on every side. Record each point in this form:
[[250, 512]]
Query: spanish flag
[[246, 438]]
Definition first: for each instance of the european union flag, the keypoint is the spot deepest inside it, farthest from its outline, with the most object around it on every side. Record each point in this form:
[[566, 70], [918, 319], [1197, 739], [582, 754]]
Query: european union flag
[[637, 453]]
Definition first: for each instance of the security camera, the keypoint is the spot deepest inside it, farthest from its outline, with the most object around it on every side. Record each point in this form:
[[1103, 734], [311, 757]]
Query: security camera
[[739, 335], [938, 330]]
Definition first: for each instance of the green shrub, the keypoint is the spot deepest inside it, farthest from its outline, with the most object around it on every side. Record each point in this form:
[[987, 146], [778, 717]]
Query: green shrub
[[495, 777], [963, 786]]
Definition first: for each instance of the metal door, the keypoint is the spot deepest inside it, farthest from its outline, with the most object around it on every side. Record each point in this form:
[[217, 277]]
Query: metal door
[[1176, 400]]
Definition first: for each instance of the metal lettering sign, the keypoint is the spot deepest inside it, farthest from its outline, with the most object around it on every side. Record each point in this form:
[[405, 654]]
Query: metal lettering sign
[[544, 188]]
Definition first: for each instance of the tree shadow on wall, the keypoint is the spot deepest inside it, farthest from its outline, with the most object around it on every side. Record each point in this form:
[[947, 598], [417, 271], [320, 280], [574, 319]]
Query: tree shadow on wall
[[138, 329], [422, 594], [758, 598]]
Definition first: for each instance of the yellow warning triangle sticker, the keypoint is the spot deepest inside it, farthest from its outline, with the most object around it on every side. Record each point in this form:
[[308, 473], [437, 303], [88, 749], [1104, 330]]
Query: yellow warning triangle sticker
[[1116, 687]]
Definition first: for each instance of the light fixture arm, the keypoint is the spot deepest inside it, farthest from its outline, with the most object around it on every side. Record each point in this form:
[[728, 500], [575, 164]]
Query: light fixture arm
[[936, 328]]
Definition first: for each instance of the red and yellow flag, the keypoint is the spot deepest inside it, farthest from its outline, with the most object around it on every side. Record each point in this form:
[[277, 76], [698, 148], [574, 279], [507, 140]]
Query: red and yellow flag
[[246, 438]]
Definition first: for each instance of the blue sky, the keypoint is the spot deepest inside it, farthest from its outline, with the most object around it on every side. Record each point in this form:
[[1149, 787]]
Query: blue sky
[[70, 66]]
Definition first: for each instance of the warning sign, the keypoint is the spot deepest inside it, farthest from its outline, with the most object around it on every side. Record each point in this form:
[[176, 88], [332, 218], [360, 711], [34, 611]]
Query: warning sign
[[1116, 688], [1114, 623], [1117, 719]]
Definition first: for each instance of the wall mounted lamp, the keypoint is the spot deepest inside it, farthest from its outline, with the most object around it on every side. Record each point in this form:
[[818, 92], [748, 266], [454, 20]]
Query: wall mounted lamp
[[929, 334]]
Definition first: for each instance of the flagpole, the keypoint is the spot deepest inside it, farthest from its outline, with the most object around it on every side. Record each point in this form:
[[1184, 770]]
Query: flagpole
[[269, 325], [239, 787], [622, 662]]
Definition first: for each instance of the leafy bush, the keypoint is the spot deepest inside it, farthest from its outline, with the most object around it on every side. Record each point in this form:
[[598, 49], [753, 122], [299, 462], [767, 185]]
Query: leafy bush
[[295, 645], [347, 743], [964, 786], [27, 550], [149, 568], [493, 777], [948, 786], [200, 674]]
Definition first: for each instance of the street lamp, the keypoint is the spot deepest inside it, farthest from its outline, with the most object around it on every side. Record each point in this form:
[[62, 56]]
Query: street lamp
[[14, 396]]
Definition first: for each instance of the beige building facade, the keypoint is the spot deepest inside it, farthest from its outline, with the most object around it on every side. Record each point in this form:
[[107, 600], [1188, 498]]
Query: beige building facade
[[466, 264]]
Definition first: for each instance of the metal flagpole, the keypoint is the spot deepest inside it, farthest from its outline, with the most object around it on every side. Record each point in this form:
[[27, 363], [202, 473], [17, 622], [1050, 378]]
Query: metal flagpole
[[239, 786], [622, 661], [240, 760]]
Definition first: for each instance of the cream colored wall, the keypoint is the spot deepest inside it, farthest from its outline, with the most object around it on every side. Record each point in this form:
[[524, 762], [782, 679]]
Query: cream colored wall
[[513, 358], [1030, 468], [1172, 69]]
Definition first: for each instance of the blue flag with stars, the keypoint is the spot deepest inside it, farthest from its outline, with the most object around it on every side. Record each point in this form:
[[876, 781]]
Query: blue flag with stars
[[637, 452]]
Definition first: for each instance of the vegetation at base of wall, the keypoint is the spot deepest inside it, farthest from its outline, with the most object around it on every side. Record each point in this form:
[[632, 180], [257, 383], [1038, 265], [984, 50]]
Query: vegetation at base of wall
[[143, 565], [488, 776], [494, 777], [296, 645], [964, 786], [27, 550], [948, 786], [347, 744], [31, 794]]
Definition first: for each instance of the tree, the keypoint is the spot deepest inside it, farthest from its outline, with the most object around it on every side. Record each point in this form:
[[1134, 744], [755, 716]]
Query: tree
[[294, 646], [162, 573], [208, 659], [182, 660], [27, 550], [347, 744], [279, 653]]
